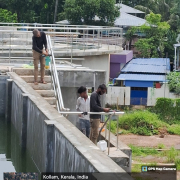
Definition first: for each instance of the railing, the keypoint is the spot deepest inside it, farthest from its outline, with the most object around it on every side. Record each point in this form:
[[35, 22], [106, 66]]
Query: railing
[[67, 41], [55, 80], [110, 118]]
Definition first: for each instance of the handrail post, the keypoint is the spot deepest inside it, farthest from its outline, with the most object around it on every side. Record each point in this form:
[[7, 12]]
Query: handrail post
[[109, 136], [117, 131]]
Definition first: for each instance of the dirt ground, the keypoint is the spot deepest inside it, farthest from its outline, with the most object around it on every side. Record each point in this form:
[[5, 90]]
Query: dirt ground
[[151, 141]]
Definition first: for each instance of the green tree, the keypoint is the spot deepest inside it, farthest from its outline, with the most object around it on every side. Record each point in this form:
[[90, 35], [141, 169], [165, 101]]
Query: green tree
[[7, 16], [145, 47], [130, 34], [80, 11], [174, 82], [108, 12], [156, 32]]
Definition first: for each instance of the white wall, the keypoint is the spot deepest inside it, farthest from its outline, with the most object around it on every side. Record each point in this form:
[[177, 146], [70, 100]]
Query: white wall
[[101, 62], [154, 93], [116, 94]]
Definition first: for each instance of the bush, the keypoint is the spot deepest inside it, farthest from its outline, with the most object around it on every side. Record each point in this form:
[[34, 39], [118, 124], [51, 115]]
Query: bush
[[174, 129], [167, 110], [141, 122]]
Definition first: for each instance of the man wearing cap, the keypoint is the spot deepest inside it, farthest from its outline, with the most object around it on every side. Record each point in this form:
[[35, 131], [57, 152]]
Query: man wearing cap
[[38, 41]]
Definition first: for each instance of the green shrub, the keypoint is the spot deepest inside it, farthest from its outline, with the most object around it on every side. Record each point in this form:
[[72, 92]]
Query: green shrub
[[141, 122], [167, 110], [174, 129], [161, 146]]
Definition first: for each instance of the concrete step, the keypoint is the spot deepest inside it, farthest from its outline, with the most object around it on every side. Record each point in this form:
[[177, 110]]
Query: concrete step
[[54, 106], [41, 86], [119, 157], [46, 93], [30, 79], [121, 146], [51, 100], [27, 72]]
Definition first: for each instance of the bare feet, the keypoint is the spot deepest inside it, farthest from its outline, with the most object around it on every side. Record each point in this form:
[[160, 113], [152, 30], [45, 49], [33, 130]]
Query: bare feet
[[43, 81], [35, 83]]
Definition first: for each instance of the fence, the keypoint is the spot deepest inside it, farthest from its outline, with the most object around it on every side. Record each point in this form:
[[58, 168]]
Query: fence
[[66, 40]]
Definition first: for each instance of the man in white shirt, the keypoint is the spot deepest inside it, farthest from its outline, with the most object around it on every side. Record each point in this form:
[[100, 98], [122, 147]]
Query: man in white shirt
[[83, 105]]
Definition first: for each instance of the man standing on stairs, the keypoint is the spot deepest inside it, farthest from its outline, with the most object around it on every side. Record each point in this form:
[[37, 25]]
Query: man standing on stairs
[[38, 40], [83, 105], [95, 106]]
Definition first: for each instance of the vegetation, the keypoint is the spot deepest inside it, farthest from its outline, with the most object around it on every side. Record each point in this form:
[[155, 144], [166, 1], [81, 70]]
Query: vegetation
[[174, 82], [156, 32], [167, 110], [144, 122], [7, 16], [171, 155], [84, 12]]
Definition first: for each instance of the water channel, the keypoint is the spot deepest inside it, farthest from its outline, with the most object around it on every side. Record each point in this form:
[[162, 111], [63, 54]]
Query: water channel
[[13, 158]]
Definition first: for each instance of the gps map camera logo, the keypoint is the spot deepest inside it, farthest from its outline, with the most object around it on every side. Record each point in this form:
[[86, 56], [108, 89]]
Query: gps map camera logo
[[144, 168]]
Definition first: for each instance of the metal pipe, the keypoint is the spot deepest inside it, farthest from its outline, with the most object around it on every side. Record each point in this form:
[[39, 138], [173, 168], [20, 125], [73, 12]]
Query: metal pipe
[[117, 131], [109, 137], [100, 113], [175, 59]]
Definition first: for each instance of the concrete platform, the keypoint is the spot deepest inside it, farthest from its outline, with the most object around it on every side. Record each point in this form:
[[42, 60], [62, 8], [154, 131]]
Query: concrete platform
[[119, 157], [41, 86], [51, 100], [30, 79], [27, 72], [46, 93]]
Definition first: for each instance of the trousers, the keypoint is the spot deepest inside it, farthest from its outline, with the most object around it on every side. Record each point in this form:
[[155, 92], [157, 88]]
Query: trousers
[[37, 57]]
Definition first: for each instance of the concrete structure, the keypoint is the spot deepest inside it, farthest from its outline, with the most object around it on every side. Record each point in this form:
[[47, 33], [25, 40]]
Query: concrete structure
[[2, 94], [141, 81], [122, 95], [84, 45], [118, 61], [70, 80], [53, 143]]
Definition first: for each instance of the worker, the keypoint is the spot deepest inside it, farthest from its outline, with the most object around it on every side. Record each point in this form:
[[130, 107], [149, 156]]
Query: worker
[[38, 40], [95, 106], [83, 105]]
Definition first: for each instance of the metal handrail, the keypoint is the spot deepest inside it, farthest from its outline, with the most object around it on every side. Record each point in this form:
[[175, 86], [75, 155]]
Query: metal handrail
[[55, 79]]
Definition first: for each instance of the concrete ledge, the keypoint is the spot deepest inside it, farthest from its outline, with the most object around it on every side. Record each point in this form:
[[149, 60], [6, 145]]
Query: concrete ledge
[[121, 146], [68, 139]]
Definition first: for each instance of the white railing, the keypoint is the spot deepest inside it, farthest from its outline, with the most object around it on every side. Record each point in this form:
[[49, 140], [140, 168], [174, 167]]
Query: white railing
[[67, 41], [55, 79]]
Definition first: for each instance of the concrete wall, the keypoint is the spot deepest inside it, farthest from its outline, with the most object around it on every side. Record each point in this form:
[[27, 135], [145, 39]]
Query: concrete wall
[[117, 93], [2, 94], [120, 94], [154, 93], [71, 80], [101, 62], [54, 144]]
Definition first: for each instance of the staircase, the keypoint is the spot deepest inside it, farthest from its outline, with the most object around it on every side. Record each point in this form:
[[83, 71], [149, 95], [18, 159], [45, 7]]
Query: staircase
[[45, 90]]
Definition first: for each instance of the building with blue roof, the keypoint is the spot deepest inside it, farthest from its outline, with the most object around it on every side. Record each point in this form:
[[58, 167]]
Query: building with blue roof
[[141, 74]]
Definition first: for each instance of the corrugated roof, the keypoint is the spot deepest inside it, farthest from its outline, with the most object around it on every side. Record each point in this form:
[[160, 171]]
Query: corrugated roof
[[151, 65], [128, 9], [128, 20], [141, 77]]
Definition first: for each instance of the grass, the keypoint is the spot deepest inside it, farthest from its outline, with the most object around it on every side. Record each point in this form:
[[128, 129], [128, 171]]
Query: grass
[[141, 151], [143, 122], [161, 146], [172, 156]]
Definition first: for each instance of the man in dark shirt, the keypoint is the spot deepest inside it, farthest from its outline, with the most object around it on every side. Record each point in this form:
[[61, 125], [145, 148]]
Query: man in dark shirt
[[38, 40], [95, 106]]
